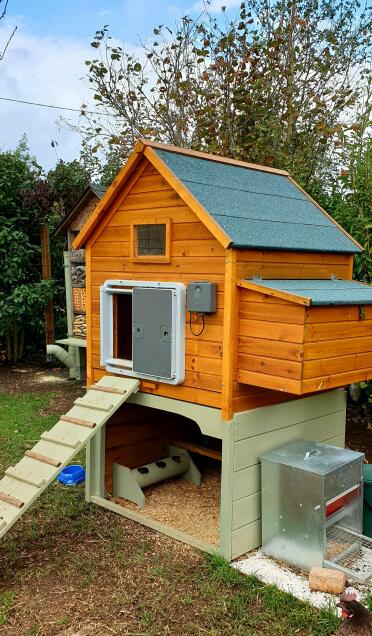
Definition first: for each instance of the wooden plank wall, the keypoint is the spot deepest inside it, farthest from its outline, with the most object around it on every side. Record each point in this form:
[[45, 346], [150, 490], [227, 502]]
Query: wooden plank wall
[[270, 348], [265, 344], [337, 347], [195, 255], [319, 418], [291, 265]]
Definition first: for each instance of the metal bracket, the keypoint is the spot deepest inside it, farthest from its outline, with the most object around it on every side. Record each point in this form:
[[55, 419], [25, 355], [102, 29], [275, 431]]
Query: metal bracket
[[362, 312]]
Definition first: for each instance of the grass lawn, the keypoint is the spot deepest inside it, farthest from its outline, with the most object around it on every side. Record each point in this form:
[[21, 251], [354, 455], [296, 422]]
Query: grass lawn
[[69, 568]]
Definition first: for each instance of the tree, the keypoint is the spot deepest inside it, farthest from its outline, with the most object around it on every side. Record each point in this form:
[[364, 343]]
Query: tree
[[66, 182], [350, 197], [275, 86], [22, 295]]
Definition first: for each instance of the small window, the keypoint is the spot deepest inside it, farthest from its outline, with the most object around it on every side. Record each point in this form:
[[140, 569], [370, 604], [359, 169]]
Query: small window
[[150, 241]]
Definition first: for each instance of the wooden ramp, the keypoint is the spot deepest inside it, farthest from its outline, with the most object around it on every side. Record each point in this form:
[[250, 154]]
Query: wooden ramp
[[24, 482]]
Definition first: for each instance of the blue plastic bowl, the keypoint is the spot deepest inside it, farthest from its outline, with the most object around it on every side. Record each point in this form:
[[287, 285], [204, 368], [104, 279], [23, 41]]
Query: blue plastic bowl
[[71, 475]]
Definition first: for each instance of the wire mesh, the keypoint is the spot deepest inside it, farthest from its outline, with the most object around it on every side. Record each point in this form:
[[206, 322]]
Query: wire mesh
[[349, 551]]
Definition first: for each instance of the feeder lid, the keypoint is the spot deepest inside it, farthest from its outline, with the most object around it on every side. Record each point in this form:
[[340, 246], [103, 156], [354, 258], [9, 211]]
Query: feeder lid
[[321, 459]]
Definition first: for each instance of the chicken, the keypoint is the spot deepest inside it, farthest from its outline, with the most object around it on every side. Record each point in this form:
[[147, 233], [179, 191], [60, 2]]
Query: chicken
[[357, 621]]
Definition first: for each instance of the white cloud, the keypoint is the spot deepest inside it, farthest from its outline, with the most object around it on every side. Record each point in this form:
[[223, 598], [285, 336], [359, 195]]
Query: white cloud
[[215, 6], [47, 70]]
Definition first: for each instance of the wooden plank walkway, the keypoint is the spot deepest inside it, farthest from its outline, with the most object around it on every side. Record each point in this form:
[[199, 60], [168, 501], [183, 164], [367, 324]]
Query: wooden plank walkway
[[23, 483]]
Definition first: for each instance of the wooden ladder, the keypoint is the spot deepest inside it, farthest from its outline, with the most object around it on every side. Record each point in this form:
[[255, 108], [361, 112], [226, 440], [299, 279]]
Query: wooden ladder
[[23, 483]]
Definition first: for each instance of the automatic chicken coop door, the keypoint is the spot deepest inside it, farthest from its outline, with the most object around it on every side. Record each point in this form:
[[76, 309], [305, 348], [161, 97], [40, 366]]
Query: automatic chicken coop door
[[312, 508], [143, 329]]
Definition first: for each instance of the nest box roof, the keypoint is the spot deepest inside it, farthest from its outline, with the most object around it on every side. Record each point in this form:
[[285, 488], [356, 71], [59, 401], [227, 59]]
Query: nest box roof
[[317, 292], [244, 205]]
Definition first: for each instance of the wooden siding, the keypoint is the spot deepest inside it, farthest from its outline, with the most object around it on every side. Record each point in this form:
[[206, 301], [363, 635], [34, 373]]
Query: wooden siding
[[270, 347], [320, 418], [292, 265], [297, 350], [337, 347], [195, 254]]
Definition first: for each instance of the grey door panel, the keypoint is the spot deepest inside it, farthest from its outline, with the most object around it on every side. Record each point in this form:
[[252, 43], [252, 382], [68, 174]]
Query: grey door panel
[[152, 331]]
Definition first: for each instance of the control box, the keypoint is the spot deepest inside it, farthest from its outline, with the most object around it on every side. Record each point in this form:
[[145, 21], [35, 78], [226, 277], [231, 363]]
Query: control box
[[202, 297]]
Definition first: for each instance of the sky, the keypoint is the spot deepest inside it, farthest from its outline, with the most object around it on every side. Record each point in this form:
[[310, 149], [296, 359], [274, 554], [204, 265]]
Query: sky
[[45, 61]]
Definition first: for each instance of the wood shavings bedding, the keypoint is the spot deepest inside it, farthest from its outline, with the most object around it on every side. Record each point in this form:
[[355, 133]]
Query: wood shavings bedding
[[182, 505]]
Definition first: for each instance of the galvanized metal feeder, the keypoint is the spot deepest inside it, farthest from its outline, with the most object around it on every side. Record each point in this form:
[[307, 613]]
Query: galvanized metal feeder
[[312, 508]]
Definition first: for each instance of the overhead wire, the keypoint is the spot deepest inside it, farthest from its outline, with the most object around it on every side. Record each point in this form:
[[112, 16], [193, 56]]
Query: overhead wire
[[76, 110]]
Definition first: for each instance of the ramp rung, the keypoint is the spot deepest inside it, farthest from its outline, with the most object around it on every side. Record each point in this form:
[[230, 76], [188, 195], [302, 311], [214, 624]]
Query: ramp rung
[[77, 420], [2, 523], [107, 389], [13, 501], [11, 472], [43, 458], [56, 440], [95, 407]]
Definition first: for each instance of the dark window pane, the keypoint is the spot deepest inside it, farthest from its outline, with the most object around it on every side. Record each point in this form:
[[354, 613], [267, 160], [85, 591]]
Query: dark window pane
[[151, 240], [123, 326]]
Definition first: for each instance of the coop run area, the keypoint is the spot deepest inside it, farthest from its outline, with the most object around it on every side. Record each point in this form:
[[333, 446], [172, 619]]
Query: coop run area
[[161, 468]]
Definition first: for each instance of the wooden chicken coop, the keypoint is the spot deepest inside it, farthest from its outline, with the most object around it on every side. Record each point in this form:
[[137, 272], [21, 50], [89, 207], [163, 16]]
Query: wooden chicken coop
[[225, 294]]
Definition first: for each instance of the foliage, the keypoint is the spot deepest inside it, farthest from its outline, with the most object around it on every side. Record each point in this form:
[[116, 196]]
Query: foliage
[[28, 200], [271, 86], [22, 294], [351, 197], [66, 183]]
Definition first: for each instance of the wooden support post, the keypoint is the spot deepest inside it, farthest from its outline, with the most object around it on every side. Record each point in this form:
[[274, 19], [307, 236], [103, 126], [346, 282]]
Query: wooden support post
[[230, 335], [47, 275]]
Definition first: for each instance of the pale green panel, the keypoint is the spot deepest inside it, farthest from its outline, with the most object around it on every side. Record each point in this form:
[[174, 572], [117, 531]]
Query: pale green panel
[[207, 418], [246, 482], [246, 538], [336, 441], [246, 510], [248, 451], [271, 418], [227, 480]]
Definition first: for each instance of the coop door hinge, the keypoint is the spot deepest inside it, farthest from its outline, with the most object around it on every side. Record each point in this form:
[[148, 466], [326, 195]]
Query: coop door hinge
[[362, 312]]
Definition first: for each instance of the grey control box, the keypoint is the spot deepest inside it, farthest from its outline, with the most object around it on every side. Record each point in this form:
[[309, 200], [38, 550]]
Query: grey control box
[[202, 297]]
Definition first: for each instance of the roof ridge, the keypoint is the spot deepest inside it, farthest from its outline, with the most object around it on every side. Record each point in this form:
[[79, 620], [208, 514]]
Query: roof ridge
[[209, 157]]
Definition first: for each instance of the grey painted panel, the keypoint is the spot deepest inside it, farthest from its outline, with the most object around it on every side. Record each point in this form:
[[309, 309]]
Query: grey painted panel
[[207, 418], [227, 480], [247, 481], [246, 538], [152, 331], [246, 510], [270, 418], [248, 451]]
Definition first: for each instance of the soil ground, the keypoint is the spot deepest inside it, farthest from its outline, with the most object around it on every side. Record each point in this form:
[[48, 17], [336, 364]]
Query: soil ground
[[68, 568]]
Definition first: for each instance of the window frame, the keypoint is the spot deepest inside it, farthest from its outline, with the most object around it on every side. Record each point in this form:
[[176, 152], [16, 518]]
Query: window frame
[[150, 258], [107, 337]]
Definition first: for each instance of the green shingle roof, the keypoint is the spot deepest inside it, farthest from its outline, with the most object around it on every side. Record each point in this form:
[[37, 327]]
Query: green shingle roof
[[256, 209], [98, 189], [323, 292]]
